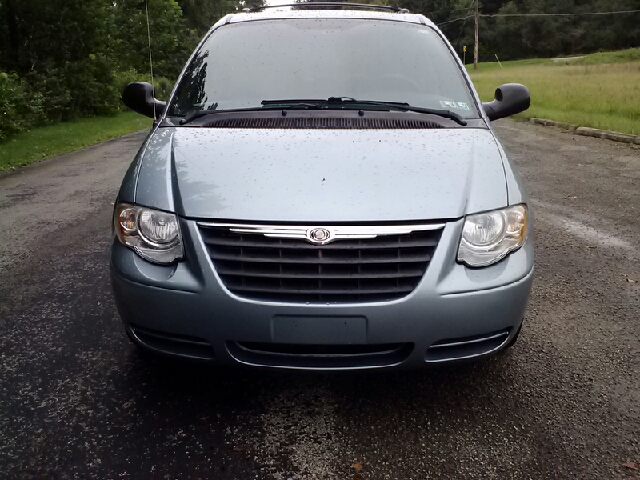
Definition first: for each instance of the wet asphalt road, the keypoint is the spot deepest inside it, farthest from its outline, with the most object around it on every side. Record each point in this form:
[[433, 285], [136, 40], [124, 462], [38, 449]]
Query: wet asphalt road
[[77, 400]]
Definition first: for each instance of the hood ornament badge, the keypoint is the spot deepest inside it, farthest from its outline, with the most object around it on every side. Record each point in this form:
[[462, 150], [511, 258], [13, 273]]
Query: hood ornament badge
[[319, 236]]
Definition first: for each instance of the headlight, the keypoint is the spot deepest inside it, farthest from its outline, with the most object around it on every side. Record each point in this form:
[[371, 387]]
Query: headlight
[[489, 237], [152, 234]]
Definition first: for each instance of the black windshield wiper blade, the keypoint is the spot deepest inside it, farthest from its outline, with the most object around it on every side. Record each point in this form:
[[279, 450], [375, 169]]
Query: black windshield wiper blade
[[341, 102], [307, 102], [294, 103], [404, 107], [190, 117], [294, 100]]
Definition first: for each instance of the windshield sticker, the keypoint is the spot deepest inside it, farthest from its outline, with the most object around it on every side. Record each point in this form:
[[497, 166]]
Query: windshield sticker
[[457, 105]]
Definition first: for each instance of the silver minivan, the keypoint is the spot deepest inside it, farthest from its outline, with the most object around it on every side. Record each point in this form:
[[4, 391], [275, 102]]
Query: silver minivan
[[323, 190]]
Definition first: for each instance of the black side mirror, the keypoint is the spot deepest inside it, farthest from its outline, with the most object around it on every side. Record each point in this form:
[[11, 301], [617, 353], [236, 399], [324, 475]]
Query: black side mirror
[[140, 97], [510, 99]]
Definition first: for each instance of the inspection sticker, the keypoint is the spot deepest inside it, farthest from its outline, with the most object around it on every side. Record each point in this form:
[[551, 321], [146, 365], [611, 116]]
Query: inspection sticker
[[446, 104], [457, 105]]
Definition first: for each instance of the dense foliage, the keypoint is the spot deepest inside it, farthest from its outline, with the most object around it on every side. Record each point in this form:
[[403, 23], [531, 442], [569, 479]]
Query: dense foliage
[[516, 37], [62, 59]]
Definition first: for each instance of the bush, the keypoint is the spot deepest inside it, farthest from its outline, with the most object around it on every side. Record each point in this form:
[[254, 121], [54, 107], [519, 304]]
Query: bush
[[20, 109], [163, 88], [92, 84], [54, 94], [82, 89]]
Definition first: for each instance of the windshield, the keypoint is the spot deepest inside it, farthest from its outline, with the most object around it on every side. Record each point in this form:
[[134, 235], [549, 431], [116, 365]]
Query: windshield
[[241, 65]]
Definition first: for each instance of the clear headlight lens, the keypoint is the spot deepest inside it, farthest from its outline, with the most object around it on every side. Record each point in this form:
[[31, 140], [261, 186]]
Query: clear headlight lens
[[152, 234], [489, 237]]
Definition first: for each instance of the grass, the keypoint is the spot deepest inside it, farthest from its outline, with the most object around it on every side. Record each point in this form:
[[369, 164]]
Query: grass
[[599, 91], [45, 142], [631, 55]]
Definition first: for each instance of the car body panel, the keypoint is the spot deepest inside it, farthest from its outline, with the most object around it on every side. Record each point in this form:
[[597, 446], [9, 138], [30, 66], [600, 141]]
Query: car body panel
[[322, 175], [451, 301]]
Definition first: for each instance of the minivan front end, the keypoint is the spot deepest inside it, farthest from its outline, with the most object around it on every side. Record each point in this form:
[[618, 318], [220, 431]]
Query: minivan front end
[[205, 307], [337, 201]]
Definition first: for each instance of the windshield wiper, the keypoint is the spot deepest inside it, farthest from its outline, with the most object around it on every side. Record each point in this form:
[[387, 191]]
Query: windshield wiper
[[342, 102], [191, 116], [329, 103]]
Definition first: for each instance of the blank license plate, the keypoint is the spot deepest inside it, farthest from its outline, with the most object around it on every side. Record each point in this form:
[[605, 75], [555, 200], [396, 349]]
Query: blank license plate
[[319, 330]]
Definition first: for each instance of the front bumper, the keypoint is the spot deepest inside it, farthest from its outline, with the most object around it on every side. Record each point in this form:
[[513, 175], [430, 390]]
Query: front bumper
[[455, 313]]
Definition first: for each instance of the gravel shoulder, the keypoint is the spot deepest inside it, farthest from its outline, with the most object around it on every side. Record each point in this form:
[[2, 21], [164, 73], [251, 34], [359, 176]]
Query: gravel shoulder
[[79, 402]]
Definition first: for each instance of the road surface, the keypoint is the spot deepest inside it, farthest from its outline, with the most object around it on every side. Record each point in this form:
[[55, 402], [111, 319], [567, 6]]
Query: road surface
[[77, 400]]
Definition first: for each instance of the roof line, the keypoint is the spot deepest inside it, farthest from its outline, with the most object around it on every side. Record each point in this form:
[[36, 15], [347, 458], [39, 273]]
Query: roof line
[[312, 5]]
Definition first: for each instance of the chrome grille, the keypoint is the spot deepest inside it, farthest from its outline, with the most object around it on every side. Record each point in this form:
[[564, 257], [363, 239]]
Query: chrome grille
[[360, 265]]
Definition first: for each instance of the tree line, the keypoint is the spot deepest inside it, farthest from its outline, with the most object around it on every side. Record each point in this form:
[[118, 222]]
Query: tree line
[[511, 30], [63, 59]]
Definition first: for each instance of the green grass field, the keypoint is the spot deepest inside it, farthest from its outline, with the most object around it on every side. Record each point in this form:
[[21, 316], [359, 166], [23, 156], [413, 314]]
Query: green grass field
[[44, 142], [599, 91]]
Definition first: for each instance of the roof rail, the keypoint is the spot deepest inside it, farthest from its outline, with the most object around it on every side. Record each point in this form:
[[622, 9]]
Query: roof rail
[[312, 5]]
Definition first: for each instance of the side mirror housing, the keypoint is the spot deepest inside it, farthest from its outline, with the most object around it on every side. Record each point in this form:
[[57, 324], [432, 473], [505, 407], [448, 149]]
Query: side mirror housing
[[140, 97], [510, 99]]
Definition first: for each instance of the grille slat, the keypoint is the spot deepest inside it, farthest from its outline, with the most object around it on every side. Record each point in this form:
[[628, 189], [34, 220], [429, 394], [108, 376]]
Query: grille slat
[[318, 261], [328, 276], [296, 245], [383, 268]]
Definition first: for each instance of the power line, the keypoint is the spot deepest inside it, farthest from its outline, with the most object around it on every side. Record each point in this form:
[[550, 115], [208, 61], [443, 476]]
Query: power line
[[146, 9], [454, 10], [456, 20], [493, 15], [556, 14], [465, 23]]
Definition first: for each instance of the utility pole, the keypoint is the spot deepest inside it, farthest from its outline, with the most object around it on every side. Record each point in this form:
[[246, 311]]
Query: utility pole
[[475, 47]]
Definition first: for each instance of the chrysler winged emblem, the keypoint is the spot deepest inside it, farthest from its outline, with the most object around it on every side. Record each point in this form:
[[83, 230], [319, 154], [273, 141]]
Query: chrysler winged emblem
[[319, 236]]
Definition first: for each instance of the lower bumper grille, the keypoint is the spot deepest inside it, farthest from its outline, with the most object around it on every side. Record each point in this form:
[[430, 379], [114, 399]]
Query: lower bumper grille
[[181, 345], [320, 357], [269, 267], [466, 348]]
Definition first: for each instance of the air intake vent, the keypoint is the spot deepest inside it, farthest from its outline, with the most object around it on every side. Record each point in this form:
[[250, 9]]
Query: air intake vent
[[466, 348], [180, 345], [324, 123], [323, 357]]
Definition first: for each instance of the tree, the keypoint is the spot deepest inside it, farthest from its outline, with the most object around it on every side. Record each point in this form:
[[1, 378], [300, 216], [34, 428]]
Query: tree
[[200, 15]]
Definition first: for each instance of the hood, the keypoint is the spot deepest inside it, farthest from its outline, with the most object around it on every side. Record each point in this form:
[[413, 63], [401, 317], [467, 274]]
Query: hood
[[326, 176]]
